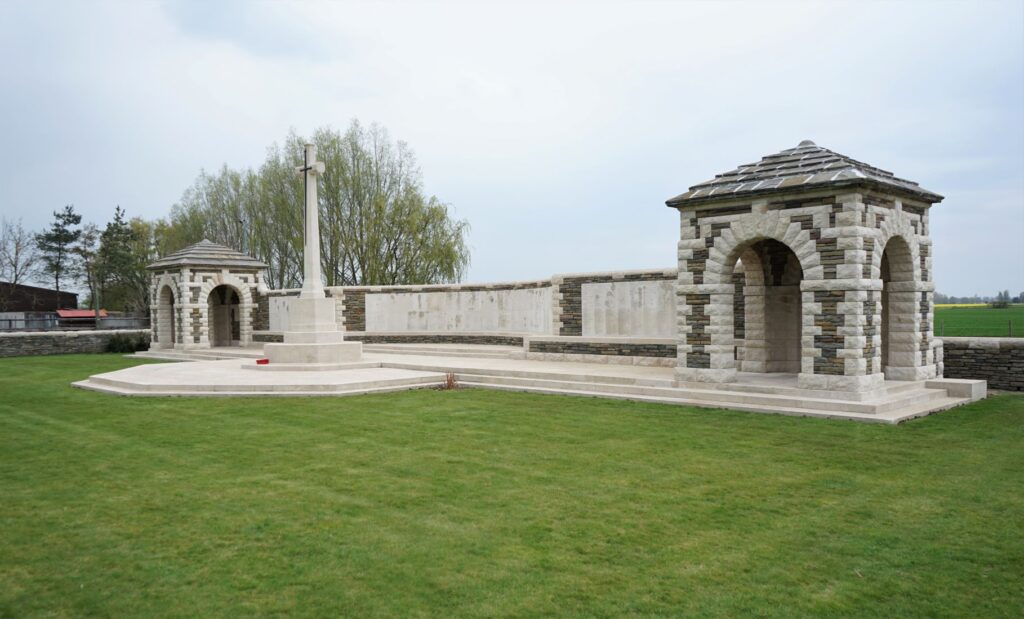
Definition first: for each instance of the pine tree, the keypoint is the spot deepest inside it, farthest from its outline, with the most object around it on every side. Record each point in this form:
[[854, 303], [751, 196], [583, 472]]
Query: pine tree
[[116, 257], [57, 245]]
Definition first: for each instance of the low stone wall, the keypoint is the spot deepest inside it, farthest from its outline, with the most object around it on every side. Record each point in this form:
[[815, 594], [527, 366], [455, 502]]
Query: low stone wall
[[31, 343], [634, 351], [999, 360]]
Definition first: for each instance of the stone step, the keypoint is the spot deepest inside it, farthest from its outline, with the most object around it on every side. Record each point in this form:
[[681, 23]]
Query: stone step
[[909, 412], [257, 388], [572, 376], [212, 354], [92, 385], [891, 388], [724, 398], [160, 356]]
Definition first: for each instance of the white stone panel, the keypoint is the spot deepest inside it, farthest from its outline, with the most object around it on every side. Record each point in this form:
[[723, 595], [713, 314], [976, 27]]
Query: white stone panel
[[630, 308], [279, 313], [524, 310]]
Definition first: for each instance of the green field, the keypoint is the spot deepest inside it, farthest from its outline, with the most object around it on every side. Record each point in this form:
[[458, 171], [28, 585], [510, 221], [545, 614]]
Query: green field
[[979, 321], [472, 502]]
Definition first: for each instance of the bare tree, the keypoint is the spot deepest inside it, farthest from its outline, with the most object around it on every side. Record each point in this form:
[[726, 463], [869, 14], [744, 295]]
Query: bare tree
[[19, 258]]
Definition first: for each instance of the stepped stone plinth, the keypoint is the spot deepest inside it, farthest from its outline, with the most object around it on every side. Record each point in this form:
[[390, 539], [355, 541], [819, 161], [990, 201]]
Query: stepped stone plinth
[[313, 338]]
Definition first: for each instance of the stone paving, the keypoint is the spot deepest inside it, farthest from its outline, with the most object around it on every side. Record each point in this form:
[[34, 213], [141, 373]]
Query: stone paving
[[422, 367]]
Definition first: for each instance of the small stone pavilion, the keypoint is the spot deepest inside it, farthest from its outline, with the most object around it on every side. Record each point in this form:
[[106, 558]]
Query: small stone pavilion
[[805, 262], [204, 296]]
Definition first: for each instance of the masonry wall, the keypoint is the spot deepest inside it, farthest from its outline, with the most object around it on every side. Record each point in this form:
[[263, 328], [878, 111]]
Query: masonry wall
[[1000, 361], [621, 304], [28, 343]]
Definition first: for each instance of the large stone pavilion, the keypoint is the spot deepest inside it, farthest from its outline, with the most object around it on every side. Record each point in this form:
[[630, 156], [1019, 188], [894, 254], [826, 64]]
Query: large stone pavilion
[[806, 261], [203, 296]]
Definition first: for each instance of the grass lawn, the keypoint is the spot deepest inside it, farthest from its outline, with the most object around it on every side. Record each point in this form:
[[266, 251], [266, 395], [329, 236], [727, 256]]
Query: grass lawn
[[489, 503], [979, 321]]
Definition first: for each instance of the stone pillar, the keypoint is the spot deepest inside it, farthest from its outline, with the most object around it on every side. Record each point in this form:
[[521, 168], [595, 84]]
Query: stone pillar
[[706, 346], [909, 293], [839, 303]]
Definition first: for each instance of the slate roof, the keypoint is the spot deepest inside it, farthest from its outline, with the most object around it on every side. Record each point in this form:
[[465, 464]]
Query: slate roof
[[808, 166], [205, 253]]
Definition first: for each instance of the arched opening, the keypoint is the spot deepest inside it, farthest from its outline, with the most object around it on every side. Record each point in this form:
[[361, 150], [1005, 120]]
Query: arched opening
[[166, 328], [898, 304], [224, 316], [767, 308]]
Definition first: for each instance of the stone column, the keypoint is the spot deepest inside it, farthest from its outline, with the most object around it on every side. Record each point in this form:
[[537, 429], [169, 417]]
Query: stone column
[[839, 305], [755, 354], [705, 344], [312, 284]]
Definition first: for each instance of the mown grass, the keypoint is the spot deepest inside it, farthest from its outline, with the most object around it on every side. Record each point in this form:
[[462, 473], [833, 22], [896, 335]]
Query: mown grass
[[471, 502], [980, 321]]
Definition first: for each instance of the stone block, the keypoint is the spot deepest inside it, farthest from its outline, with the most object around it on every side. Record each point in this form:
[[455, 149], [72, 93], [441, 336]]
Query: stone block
[[960, 387]]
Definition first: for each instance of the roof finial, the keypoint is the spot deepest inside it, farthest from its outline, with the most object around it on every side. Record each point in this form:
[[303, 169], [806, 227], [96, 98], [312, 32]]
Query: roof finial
[[806, 143]]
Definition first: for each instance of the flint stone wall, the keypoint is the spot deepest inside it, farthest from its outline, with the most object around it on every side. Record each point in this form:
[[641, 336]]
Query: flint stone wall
[[32, 343], [998, 360]]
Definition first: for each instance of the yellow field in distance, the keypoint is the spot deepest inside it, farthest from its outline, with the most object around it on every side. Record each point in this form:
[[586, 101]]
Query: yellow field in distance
[[961, 305]]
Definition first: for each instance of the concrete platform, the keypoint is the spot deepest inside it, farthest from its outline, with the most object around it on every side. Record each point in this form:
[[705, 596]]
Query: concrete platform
[[422, 366]]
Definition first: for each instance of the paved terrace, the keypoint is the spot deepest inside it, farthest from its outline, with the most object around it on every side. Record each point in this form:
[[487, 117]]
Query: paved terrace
[[234, 372]]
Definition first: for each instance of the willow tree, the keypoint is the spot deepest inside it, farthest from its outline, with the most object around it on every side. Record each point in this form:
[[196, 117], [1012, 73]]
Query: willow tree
[[377, 224]]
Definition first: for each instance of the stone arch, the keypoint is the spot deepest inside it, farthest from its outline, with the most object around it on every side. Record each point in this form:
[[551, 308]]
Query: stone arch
[[899, 226], [900, 305], [166, 330], [223, 326], [750, 229], [245, 305], [738, 240], [164, 316], [768, 332]]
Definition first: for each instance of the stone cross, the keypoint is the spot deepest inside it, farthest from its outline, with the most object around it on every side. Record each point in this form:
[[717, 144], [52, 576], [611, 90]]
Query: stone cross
[[312, 286]]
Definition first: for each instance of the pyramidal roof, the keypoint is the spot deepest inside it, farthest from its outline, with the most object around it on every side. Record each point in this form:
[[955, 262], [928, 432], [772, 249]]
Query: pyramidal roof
[[206, 253], [808, 166]]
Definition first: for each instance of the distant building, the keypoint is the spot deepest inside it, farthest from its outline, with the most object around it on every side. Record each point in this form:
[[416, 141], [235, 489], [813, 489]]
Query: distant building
[[82, 318], [21, 298]]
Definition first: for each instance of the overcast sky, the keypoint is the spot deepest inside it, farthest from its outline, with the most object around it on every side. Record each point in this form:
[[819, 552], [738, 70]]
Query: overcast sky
[[557, 129]]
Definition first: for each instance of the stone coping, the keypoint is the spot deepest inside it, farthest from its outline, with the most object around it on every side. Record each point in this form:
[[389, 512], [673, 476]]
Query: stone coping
[[985, 342], [667, 271], [73, 333]]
